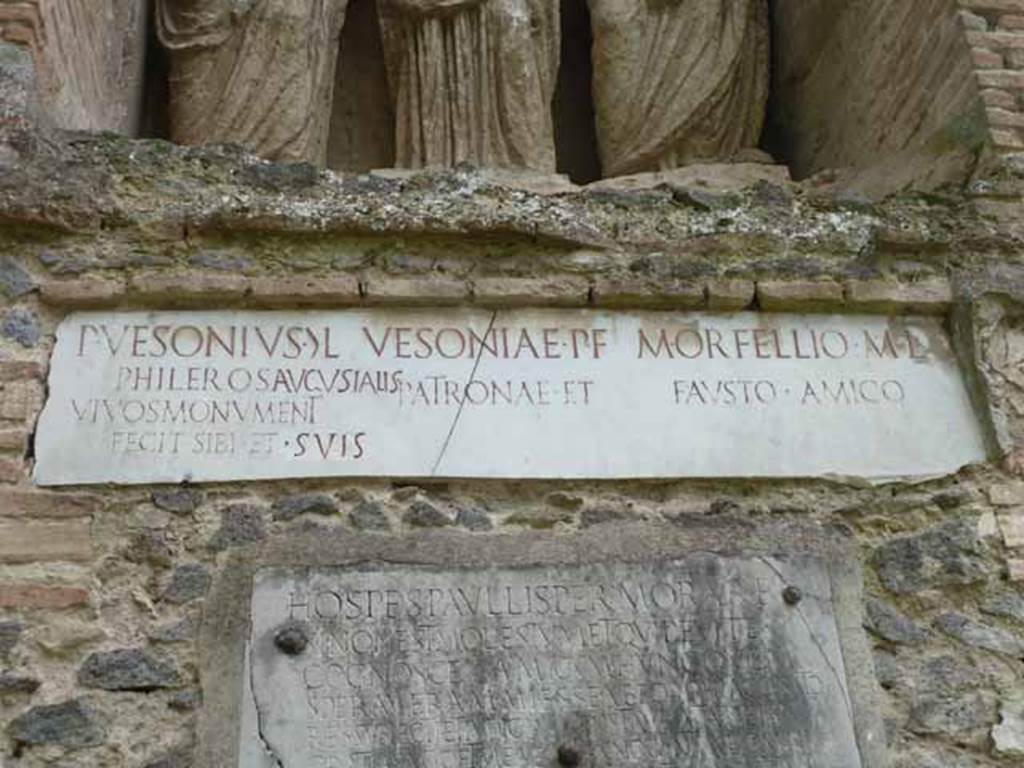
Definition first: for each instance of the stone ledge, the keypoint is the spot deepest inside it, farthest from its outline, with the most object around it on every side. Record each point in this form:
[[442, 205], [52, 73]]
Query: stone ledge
[[928, 297], [331, 290], [85, 292], [158, 290], [538, 292], [416, 291], [647, 294], [730, 295], [188, 286], [803, 295]]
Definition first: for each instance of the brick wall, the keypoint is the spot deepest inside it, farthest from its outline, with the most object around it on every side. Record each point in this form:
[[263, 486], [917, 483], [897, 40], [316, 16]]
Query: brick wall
[[995, 31]]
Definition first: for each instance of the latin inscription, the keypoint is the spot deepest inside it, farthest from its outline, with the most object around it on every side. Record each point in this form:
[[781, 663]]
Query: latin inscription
[[145, 397], [697, 663]]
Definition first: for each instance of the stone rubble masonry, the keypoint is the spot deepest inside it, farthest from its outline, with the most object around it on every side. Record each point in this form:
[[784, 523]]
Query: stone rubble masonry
[[995, 33], [88, 571]]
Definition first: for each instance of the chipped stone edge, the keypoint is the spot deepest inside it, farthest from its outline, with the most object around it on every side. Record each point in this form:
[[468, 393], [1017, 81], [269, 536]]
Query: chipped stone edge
[[226, 620]]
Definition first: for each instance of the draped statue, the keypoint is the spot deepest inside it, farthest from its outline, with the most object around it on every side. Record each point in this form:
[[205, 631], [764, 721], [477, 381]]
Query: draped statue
[[677, 80], [472, 81], [259, 73], [89, 58]]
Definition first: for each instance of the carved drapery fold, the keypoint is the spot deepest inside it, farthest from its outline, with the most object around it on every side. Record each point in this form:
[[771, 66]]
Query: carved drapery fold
[[89, 58], [259, 73], [677, 80], [472, 81]]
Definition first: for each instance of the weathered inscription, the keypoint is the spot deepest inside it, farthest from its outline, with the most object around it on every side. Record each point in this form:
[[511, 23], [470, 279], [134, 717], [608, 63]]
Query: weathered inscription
[[696, 663], [150, 397]]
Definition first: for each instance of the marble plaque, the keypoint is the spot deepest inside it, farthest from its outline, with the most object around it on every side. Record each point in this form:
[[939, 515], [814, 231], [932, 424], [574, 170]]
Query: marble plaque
[[701, 662], [206, 396]]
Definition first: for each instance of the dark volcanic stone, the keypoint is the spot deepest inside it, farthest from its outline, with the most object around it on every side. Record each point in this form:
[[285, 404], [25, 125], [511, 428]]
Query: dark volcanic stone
[[424, 515], [180, 501], [151, 547], [889, 624], [10, 634], [22, 326], [946, 555], [980, 635], [176, 758], [1007, 604], [473, 518], [240, 524], [11, 682], [126, 669], [290, 507], [69, 725], [188, 582], [951, 716], [369, 516], [185, 701], [15, 280], [174, 632]]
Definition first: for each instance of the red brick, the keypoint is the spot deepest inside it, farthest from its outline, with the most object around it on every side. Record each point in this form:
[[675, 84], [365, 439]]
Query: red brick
[[983, 58], [996, 97], [1000, 78], [20, 400], [993, 5], [34, 541], [18, 370], [11, 470], [14, 440], [995, 40], [41, 596], [1004, 118], [1007, 139], [19, 503]]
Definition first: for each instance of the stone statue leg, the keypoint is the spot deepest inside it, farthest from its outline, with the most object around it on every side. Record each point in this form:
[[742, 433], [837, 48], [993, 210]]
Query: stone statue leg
[[472, 81], [89, 58], [261, 77], [678, 80]]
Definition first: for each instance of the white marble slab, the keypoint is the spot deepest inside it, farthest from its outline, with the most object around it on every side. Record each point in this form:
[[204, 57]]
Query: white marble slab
[[690, 663], [141, 397]]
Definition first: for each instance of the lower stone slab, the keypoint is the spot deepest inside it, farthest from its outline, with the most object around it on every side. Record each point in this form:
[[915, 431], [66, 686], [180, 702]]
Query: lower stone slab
[[693, 662], [580, 652]]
